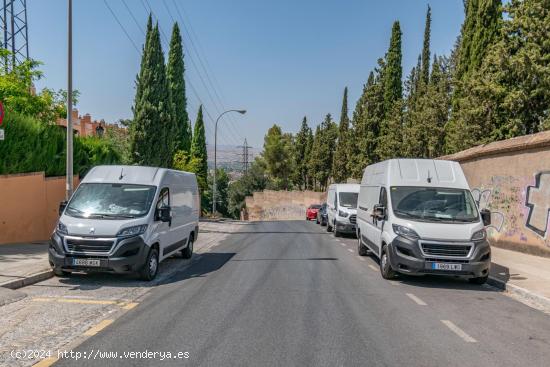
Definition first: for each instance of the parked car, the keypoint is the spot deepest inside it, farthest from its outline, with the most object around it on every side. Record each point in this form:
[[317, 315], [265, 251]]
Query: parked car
[[418, 217], [311, 211], [342, 208], [322, 215], [125, 219]]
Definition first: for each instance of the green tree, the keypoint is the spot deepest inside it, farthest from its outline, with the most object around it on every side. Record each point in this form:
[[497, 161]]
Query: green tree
[[175, 74], [254, 180], [426, 56], [341, 155], [277, 155], [322, 154], [392, 71], [391, 139], [150, 134], [301, 152], [198, 150]]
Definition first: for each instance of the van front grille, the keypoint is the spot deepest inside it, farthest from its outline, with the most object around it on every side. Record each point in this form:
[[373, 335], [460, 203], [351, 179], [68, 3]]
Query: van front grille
[[89, 245], [353, 219], [433, 249]]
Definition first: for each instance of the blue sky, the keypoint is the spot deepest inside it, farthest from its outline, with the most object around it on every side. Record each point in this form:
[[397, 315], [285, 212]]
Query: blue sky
[[280, 60]]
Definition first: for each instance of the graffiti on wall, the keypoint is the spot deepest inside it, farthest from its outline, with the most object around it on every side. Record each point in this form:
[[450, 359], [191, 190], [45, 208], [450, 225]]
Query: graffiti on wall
[[483, 200], [538, 201]]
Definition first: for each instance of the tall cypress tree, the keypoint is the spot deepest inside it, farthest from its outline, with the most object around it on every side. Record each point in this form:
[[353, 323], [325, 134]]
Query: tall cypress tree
[[301, 153], [339, 168], [198, 147], [175, 74], [393, 72], [150, 136], [426, 48], [148, 32]]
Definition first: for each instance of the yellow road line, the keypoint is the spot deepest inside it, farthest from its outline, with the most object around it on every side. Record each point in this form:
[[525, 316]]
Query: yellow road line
[[46, 362], [96, 329], [130, 305], [86, 301]]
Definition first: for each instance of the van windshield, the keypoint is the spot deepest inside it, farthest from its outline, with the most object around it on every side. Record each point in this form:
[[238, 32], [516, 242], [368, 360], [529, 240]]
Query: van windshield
[[101, 200], [434, 204], [348, 199]]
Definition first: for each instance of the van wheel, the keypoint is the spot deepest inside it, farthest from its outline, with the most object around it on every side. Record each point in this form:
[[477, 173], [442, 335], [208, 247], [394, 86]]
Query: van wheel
[[58, 272], [362, 250], [329, 228], [317, 220], [187, 252], [385, 266], [336, 231], [150, 268], [480, 280]]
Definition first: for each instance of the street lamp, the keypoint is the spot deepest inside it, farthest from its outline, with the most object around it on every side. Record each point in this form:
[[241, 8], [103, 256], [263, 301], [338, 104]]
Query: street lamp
[[69, 168], [214, 187]]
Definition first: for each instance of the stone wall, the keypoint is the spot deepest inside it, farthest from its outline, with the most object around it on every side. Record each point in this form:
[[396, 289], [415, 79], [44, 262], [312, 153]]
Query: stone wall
[[512, 179], [281, 205]]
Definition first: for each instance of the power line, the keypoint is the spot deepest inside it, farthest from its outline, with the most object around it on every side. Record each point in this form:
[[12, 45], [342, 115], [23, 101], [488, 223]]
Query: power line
[[133, 17], [121, 26]]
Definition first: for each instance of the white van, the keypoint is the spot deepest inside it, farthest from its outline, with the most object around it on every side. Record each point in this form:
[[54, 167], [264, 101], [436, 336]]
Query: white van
[[341, 208], [419, 217], [125, 219]]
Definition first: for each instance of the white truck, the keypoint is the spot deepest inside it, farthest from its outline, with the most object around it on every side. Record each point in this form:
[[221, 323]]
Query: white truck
[[418, 217], [126, 219]]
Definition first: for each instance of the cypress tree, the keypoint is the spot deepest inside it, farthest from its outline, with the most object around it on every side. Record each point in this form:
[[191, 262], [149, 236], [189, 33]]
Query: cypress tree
[[198, 148], [175, 73], [148, 32], [150, 135], [301, 154], [339, 168], [426, 48], [393, 72]]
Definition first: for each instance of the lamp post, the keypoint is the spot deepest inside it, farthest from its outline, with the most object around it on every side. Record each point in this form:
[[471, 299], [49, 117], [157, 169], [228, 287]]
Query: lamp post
[[69, 168], [214, 187]]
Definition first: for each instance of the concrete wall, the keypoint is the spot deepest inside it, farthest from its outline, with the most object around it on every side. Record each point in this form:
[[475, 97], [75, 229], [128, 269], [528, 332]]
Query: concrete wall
[[512, 179], [29, 205], [281, 205]]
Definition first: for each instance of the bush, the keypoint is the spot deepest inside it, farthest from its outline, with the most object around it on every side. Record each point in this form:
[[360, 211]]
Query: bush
[[32, 146]]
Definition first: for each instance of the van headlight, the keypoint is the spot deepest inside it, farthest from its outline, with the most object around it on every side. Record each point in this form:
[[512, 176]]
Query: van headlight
[[479, 235], [405, 231], [342, 214], [132, 231], [61, 228]]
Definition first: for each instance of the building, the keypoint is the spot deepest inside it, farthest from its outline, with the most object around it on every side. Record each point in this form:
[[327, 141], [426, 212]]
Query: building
[[85, 126]]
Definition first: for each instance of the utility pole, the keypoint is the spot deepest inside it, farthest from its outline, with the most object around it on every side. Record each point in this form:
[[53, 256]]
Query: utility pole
[[13, 25], [69, 173]]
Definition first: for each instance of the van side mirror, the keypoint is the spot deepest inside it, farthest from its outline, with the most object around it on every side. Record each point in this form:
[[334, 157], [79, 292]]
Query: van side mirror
[[163, 214], [379, 212], [486, 217], [62, 206]]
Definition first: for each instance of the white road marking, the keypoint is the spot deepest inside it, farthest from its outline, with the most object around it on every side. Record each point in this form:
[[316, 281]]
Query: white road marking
[[458, 331], [393, 282], [361, 258], [350, 250], [416, 299], [342, 244], [373, 267]]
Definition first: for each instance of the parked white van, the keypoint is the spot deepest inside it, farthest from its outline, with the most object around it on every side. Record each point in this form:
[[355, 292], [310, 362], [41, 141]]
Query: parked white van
[[418, 217], [341, 208], [126, 219]]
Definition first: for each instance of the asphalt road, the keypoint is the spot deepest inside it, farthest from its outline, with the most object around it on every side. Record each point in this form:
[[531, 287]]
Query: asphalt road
[[290, 294]]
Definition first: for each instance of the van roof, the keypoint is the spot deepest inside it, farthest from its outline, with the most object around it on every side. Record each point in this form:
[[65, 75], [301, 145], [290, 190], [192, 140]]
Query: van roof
[[415, 172], [345, 187], [129, 175]]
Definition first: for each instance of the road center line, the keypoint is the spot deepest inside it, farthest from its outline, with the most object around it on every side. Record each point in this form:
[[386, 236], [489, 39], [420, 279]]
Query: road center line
[[342, 244], [416, 299], [350, 250], [361, 258], [458, 331], [373, 267]]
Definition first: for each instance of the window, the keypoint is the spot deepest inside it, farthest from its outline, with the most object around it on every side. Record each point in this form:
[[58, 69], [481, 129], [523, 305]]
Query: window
[[348, 199], [164, 198], [383, 200]]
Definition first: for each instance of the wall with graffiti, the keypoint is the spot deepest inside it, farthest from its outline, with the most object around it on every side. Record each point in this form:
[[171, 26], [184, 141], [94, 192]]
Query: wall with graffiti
[[514, 183]]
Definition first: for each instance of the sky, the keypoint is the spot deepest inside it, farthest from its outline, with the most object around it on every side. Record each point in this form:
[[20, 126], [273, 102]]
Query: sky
[[280, 60]]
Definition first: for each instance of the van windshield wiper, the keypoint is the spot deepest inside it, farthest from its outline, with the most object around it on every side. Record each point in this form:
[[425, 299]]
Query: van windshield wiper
[[114, 215]]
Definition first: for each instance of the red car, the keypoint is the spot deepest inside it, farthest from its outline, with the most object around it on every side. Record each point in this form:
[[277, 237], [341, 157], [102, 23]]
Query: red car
[[311, 212]]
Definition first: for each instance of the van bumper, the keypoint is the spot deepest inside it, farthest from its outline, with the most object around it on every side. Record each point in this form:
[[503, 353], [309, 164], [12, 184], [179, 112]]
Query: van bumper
[[405, 257], [345, 227], [129, 257]]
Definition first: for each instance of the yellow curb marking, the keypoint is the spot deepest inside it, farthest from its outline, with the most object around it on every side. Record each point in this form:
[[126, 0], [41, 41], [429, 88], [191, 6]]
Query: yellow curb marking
[[46, 362], [124, 305], [130, 305], [96, 329]]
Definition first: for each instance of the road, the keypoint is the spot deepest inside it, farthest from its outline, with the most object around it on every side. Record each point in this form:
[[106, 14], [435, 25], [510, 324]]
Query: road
[[290, 294]]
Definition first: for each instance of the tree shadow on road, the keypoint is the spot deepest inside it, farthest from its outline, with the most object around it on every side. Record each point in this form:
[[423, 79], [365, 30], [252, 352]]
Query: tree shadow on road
[[172, 270]]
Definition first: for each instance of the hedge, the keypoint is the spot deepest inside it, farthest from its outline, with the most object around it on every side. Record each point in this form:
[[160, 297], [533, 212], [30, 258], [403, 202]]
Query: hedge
[[32, 146]]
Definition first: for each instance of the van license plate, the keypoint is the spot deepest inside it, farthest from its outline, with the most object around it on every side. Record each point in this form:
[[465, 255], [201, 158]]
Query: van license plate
[[442, 266], [86, 262]]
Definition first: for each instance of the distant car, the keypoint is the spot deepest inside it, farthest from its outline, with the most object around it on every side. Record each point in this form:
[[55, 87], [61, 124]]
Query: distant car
[[322, 215], [311, 212]]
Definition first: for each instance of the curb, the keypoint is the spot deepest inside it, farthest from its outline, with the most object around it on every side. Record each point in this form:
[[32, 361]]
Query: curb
[[28, 280], [527, 295]]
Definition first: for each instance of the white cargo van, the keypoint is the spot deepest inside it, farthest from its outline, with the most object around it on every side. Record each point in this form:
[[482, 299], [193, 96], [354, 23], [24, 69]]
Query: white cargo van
[[341, 208], [125, 219], [418, 217]]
